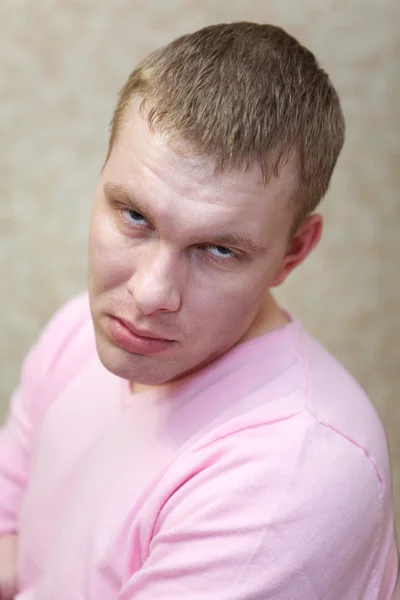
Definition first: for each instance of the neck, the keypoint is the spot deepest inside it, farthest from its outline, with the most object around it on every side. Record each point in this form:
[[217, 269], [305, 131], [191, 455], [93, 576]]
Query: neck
[[269, 318]]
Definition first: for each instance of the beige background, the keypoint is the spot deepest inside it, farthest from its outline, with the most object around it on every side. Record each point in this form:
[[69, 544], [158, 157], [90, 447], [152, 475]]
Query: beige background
[[61, 64]]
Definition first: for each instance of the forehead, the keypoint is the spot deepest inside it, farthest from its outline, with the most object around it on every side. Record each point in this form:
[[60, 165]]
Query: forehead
[[165, 168]]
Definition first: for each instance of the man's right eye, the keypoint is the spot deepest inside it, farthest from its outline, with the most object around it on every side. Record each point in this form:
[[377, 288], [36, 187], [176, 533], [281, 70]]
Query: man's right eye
[[134, 217]]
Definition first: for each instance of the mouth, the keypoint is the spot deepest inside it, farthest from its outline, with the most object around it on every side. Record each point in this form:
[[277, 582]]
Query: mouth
[[143, 333], [134, 340]]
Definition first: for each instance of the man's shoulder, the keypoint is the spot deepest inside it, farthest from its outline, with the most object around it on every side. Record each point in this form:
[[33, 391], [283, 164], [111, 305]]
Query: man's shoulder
[[62, 349], [321, 409], [296, 462], [66, 338], [339, 403]]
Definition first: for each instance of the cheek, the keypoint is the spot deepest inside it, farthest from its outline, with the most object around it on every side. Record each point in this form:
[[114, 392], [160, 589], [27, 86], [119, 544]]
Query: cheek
[[226, 302], [110, 259]]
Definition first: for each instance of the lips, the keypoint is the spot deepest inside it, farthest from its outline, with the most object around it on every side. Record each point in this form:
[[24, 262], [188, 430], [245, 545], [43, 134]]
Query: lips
[[144, 333], [136, 341]]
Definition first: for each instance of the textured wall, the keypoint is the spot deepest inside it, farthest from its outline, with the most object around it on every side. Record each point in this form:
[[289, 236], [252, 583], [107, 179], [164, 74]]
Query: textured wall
[[61, 63]]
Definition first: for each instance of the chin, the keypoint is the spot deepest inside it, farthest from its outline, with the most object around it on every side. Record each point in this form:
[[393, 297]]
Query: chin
[[146, 370]]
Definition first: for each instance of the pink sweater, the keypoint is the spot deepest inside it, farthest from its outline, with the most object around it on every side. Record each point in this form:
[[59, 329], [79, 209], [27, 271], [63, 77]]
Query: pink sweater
[[264, 477]]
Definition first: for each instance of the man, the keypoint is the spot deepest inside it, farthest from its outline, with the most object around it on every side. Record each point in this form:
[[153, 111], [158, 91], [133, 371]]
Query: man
[[186, 438]]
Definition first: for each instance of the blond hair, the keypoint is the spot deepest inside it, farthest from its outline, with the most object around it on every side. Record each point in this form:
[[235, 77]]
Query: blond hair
[[240, 93]]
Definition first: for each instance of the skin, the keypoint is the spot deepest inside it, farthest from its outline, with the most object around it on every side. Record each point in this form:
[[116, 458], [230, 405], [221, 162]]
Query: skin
[[156, 258], [8, 566], [159, 256]]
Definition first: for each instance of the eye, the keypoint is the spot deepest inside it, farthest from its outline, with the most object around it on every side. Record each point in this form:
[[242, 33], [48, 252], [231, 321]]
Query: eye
[[133, 216], [222, 252]]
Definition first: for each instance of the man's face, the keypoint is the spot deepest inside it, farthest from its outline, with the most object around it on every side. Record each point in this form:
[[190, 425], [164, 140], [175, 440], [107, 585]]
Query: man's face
[[180, 252]]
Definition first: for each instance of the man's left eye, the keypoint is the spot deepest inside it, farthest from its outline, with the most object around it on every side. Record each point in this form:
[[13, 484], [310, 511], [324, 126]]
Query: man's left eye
[[221, 252]]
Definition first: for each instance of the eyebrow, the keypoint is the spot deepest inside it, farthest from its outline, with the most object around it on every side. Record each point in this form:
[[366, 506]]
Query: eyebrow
[[118, 192]]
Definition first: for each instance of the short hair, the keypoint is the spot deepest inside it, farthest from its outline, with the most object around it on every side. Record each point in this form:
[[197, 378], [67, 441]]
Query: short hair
[[242, 93]]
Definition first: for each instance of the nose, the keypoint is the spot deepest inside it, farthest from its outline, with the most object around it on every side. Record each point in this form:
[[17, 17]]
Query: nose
[[154, 284]]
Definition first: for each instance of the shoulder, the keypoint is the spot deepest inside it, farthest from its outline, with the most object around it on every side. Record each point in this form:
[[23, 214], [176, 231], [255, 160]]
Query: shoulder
[[295, 463], [340, 405], [60, 331], [297, 447], [291, 494], [65, 337]]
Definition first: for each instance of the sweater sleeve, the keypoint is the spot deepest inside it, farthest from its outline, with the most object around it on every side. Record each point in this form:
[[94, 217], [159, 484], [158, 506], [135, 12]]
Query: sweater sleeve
[[28, 405], [285, 511]]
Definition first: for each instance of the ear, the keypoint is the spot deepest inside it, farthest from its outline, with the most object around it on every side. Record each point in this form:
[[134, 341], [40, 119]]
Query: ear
[[302, 243]]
